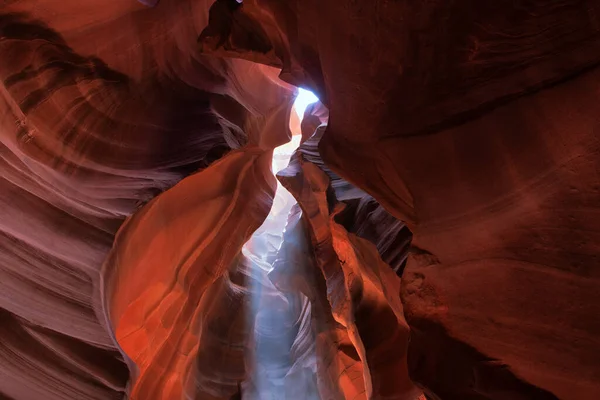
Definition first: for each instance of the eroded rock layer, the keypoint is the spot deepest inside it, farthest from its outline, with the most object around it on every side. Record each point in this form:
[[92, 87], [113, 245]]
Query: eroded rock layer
[[471, 123], [475, 123], [361, 290], [86, 141]]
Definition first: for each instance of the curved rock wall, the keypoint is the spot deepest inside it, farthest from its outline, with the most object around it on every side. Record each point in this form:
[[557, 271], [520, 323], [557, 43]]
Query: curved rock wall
[[93, 127], [471, 123], [475, 124]]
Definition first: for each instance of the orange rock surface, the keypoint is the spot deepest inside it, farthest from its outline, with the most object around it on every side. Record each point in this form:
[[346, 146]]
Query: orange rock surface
[[444, 244]]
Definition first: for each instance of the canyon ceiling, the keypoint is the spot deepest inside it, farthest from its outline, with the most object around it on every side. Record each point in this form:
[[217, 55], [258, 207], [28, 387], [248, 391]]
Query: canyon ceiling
[[442, 218]]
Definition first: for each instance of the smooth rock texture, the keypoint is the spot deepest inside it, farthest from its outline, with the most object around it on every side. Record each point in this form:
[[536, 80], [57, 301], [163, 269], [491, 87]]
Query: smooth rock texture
[[159, 279], [445, 240], [86, 141], [475, 123], [361, 290]]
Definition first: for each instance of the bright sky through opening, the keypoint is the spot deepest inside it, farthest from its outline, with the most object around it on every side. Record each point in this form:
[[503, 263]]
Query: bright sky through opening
[[302, 101]]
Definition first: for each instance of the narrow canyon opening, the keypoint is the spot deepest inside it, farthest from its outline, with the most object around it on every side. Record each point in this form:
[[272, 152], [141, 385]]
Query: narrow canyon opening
[[435, 232], [275, 315], [266, 240]]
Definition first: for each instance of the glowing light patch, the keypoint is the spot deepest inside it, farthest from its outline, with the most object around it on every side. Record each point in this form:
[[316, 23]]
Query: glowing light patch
[[303, 99], [273, 313]]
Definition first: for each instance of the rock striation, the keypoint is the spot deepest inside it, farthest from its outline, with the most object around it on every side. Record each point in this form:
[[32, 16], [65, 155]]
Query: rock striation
[[444, 243]]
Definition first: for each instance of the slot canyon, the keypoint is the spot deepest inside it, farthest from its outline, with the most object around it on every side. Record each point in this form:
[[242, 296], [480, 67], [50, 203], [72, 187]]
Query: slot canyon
[[299, 199]]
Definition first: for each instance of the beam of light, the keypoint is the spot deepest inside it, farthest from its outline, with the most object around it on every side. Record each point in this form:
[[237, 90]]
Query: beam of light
[[274, 313], [270, 233]]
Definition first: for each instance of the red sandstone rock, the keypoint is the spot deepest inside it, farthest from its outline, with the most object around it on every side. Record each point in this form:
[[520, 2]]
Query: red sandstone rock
[[473, 123], [84, 146], [159, 280], [361, 290]]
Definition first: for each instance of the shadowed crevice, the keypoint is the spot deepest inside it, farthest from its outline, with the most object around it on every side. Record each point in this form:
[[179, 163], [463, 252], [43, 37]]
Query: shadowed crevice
[[451, 369]]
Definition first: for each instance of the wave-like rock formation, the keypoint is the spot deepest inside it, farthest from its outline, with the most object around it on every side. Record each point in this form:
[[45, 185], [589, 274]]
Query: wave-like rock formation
[[361, 291], [166, 260], [85, 143], [474, 123], [444, 243]]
